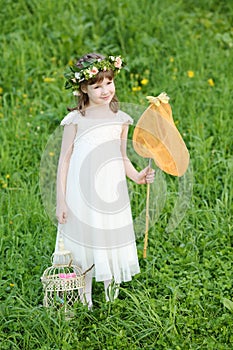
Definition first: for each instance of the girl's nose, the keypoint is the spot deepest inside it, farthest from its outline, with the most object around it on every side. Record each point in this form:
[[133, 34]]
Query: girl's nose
[[104, 90]]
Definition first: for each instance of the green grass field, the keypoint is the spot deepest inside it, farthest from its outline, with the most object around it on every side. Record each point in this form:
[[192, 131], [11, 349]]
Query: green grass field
[[183, 297]]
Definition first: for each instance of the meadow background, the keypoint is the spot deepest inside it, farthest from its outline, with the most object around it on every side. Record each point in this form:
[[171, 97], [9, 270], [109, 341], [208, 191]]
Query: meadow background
[[183, 297]]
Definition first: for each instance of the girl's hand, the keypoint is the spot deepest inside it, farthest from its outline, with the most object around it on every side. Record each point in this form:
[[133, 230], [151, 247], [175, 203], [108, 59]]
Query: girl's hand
[[146, 176], [61, 213]]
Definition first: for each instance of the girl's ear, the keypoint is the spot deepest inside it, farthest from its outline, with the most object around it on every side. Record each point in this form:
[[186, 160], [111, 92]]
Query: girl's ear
[[84, 88]]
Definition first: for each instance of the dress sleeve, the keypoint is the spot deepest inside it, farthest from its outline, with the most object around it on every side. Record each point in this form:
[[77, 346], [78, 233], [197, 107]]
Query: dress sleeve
[[71, 118], [125, 118]]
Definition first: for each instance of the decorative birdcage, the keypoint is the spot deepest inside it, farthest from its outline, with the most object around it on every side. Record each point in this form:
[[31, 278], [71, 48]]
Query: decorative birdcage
[[63, 282]]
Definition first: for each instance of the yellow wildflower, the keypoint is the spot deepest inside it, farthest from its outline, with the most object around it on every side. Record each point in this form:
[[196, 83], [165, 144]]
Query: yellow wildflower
[[1, 115], [144, 81], [51, 154], [171, 59], [136, 88], [12, 285], [53, 59], [7, 176], [48, 80], [4, 185], [1, 90], [25, 95], [70, 63], [211, 82], [11, 222], [190, 73]]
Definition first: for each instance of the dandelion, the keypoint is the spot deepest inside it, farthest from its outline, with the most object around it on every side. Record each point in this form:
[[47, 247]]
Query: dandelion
[[171, 59], [190, 73], [51, 154], [48, 80], [136, 88], [211, 82], [12, 285], [4, 185], [7, 176], [25, 95], [1, 90], [11, 222], [144, 81], [70, 63]]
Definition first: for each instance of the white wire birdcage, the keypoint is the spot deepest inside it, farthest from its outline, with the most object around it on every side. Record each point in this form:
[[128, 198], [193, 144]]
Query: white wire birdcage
[[63, 282]]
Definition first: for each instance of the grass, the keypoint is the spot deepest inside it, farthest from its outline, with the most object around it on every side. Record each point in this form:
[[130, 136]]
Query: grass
[[182, 299]]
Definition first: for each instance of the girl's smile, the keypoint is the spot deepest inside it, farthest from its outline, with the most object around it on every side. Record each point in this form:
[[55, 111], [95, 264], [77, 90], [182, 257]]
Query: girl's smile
[[101, 93]]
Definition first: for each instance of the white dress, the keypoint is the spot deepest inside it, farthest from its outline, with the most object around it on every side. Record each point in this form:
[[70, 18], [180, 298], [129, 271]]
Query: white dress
[[99, 227]]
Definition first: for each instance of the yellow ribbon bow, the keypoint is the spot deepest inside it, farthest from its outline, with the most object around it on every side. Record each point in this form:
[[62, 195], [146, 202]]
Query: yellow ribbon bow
[[162, 98]]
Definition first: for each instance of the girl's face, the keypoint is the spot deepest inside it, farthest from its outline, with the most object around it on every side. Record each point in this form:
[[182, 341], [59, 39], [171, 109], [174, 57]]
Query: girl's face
[[101, 93]]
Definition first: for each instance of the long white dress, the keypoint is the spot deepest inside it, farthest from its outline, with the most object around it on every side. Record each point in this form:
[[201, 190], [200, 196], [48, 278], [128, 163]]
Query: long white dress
[[99, 227]]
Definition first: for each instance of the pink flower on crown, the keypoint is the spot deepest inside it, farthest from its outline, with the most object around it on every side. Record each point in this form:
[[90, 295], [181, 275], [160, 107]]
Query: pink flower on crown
[[93, 71], [118, 62]]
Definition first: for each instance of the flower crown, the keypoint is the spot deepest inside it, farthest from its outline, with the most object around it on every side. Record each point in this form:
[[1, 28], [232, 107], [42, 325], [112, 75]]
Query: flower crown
[[90, 69]]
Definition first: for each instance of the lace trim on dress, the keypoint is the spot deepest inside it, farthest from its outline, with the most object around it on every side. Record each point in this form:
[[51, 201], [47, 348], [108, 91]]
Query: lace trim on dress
[[125, 118], [71, 118], [74, 117]]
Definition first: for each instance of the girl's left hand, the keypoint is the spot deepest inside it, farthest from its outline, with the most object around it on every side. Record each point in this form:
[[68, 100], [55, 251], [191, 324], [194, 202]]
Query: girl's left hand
[[146, 176]]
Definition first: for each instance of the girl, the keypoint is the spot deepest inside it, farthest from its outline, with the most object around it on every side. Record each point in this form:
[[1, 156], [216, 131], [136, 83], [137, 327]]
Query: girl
[[93, 208]]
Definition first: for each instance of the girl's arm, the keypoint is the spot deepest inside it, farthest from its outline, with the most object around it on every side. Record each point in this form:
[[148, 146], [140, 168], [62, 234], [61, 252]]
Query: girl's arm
[[63, 165], [144, 176]]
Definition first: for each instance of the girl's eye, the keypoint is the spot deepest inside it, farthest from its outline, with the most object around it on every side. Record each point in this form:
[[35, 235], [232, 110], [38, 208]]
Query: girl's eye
[[96, 87], [109, 82]]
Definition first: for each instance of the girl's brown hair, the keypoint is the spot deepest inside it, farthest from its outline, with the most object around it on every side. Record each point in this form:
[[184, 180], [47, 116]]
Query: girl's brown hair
[[83, 99]]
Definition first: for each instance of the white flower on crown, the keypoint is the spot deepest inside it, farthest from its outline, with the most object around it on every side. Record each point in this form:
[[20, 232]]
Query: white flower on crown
[[77, 75], [76, 93]]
